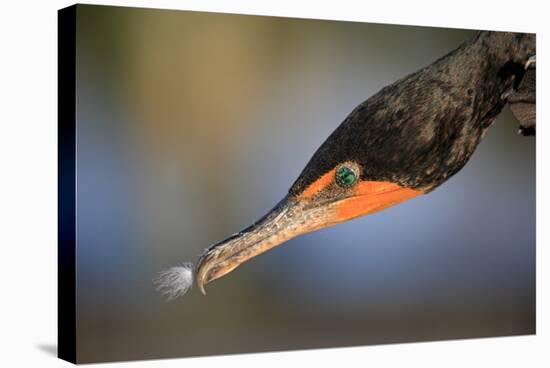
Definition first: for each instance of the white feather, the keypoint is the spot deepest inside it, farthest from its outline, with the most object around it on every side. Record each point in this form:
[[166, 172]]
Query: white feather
[[176, 281]]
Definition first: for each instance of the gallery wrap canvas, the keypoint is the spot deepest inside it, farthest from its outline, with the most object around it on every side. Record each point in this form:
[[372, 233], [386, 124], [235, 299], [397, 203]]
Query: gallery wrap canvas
[[237, 184]]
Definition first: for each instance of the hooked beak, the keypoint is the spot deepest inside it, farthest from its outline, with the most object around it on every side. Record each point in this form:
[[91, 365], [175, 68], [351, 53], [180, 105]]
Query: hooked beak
[[291, 217], [285, 221]]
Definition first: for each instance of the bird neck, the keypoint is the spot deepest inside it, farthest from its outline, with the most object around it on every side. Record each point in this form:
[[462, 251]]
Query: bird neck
[[477, 76], [505, 47], [487, 66]]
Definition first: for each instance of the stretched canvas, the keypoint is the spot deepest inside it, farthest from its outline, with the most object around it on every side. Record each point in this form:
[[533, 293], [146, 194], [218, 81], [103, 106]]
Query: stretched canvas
[[236, 183]]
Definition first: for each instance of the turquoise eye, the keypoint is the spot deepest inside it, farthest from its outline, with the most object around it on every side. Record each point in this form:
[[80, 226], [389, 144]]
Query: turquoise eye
[[345, 176]]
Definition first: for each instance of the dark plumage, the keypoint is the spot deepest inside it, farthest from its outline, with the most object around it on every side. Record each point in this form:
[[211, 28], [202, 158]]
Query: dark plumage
[[422, 129], [523, 101]]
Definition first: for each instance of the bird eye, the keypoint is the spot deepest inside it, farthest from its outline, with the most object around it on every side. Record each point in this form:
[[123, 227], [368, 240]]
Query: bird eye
[[346, 176]]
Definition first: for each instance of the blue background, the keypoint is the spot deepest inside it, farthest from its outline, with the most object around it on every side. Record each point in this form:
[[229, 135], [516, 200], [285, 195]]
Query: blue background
[[190, 126]]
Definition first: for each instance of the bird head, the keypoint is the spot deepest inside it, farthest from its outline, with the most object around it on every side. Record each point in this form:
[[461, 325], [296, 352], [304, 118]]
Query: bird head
[[329, 191]]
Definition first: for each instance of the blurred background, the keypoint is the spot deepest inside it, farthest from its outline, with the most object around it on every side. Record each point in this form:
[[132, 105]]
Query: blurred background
[[190, 126]]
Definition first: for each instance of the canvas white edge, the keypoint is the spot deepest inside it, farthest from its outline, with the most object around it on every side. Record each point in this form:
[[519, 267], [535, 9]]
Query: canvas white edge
[[28, 185]]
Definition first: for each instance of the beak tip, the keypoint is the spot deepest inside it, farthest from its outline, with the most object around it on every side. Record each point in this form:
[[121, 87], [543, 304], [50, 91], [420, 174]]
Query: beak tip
[[223, 257], [201, 288], [201, 280]]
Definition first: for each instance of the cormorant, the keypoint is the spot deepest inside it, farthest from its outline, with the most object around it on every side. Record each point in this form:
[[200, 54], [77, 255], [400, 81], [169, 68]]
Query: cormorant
[[402, 142]]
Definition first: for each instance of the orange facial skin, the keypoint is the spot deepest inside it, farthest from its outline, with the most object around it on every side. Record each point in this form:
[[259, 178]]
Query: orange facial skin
[[323, 203], [373, 196], [319, 185], [364, 198]]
